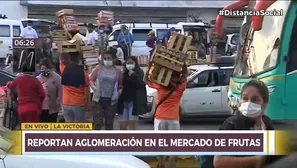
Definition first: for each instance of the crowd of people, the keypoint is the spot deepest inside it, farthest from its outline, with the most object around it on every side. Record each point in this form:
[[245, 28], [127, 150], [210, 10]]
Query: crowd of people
[[123, 92]]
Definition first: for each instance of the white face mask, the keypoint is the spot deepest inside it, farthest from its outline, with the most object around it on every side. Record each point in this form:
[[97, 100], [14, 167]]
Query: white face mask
[[101, 31], [251, 110], [30, 27]]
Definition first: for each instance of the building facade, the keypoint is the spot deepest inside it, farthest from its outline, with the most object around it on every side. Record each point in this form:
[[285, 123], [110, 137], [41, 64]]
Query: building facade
[[13, 10], [133, 11]]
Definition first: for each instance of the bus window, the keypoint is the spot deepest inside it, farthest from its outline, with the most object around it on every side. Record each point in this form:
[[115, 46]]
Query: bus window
[[260, 53], [292, 64]]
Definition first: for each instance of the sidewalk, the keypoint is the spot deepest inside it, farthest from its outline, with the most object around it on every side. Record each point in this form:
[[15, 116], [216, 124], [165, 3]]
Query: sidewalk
[[189, 162]]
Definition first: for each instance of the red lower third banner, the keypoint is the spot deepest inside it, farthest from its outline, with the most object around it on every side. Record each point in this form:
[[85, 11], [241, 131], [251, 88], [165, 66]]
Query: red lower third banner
[[146, 142]]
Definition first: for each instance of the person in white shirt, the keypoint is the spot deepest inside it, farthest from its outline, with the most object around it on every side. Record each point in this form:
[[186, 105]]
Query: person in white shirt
[[29, 32], [93, 36]]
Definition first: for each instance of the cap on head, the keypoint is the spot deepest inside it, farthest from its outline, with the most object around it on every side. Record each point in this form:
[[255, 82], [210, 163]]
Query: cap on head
[[123, 27], [152, 32], [30, 22]]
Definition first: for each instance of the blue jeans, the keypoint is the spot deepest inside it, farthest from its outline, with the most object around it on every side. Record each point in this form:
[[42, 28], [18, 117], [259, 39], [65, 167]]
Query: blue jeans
[[74, 113], [127, 112]]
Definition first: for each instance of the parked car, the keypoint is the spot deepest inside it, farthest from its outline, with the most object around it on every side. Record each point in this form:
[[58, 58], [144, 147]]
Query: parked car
[[206, 93]]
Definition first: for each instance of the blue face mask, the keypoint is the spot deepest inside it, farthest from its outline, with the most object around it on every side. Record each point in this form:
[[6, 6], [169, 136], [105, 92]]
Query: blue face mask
[[130, 66], [108, 63]]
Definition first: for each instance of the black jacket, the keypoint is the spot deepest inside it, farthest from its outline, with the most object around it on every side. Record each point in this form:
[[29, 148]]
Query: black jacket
[[140, 102]]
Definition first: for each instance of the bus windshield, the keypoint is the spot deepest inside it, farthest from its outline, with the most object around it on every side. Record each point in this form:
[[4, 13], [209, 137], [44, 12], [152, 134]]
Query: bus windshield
[[43, 28], [259, 52]]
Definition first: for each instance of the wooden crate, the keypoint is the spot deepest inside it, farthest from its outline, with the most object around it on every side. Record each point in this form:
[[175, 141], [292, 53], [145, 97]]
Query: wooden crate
[[169, 58], [192, 54], [196, 62], [68, 47], [89, 52], [106, 17], [179, 42], [159, 74], [59, 35], [64, 12]]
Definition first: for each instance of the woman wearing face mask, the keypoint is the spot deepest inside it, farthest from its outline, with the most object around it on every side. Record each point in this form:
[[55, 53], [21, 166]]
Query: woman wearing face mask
[[52, 86], [254, 99], [133, 100], [106, 84]]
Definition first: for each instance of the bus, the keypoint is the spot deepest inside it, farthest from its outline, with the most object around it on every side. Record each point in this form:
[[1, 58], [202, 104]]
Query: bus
[[268, 55], [245, 26]]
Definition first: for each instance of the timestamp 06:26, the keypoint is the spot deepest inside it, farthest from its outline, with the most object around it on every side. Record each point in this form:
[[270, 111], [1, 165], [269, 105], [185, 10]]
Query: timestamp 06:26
[[23, 43]]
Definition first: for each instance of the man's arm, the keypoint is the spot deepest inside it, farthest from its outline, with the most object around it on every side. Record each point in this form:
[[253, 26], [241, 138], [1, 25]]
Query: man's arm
[[11, 84], [36, 34], [22, 33], [119, 38], [131, 38]]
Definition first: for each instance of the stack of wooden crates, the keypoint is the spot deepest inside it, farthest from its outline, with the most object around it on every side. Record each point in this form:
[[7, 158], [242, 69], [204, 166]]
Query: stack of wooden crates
[[65, 41], [167, 60], [105, 17], [62, 37]]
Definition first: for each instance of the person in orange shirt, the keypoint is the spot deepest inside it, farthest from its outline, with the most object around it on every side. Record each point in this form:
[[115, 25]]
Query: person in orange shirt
[[75, 81], [167, 111]]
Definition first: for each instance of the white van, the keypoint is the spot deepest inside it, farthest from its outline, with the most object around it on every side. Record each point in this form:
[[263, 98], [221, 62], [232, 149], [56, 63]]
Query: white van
[[140, 35], [12, 28], [8, 30]]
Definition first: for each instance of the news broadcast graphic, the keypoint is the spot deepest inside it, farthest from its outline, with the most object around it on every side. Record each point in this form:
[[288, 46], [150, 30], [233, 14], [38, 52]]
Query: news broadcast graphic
[[79, 138], [24, 55], [57, 126]]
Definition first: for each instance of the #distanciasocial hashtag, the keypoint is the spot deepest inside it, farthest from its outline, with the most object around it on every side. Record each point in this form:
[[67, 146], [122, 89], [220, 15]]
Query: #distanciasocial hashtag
[[251, 13]]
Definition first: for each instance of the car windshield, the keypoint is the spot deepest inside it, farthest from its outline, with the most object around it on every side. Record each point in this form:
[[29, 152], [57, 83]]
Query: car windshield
[[260, 52]]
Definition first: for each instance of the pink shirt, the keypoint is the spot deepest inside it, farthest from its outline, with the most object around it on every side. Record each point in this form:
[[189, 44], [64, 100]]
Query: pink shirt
[[53, 89]]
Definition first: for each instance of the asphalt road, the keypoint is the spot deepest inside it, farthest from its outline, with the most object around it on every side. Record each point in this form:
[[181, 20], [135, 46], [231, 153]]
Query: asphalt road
[[198, 123]]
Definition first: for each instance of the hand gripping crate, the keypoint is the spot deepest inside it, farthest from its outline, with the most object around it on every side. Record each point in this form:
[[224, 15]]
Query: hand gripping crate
[[179, 42], [159, 74], [171, 59], [89, 52], [68, 47]]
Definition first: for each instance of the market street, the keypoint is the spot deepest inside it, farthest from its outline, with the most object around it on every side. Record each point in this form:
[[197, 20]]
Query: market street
[[196, 123]]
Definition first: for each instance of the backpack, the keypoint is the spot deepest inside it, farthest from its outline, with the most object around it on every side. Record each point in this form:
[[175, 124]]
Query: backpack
[[236, 122]]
